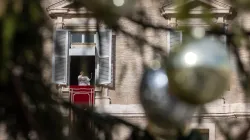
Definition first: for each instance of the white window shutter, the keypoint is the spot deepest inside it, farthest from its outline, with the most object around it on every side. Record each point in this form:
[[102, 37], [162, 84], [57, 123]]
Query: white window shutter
[[174, 39], [96, 58], [104, 53], [60, 57], [223, 38], [113, 61]]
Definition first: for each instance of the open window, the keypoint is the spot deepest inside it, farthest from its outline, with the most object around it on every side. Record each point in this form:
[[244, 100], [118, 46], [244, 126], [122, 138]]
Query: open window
[[85, 64], [60, 57], [76, 51]]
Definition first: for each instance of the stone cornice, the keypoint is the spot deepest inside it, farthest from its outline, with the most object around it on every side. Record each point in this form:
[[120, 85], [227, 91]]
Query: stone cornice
[[172, 12], [217, 8], [236, 110], [59, 9], [213, 3], [59, 4], [68, 11]]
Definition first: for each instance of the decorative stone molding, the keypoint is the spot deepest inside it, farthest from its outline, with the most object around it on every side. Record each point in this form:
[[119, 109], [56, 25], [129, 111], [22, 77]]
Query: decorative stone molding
[[226, 111], [66, 16], [62, 8], [236, 110], [59, 23], [222, 12], [100, 101], [102, 97], [61, 3]]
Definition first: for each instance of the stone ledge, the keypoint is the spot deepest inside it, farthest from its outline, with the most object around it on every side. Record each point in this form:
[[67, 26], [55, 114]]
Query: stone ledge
[[135, 110], [102, 101]]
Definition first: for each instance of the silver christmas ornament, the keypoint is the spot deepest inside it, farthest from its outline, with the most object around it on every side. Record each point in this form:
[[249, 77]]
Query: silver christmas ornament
[[199, 71], [162, 108]]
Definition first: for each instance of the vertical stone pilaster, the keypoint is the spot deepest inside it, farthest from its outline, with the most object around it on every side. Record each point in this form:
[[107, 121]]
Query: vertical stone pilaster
[[102, 96], [172, 22], [59, 23]]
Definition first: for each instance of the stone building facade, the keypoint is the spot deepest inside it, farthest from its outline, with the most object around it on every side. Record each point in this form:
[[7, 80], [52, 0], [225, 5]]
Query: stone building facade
[[121, 99]]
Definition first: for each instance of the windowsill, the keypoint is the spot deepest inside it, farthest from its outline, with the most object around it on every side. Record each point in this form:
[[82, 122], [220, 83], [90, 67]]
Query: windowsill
[[82, 45], [85, 50]]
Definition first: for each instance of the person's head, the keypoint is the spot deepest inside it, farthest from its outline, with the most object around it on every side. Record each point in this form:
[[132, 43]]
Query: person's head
[[81, 73]]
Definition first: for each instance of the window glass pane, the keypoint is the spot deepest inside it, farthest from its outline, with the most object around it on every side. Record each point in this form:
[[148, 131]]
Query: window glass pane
[[204, 133], [89, 38], [205, 136], [76, 37]]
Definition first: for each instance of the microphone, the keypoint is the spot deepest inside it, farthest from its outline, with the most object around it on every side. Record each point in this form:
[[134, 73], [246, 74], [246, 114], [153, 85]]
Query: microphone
[[91, 76]]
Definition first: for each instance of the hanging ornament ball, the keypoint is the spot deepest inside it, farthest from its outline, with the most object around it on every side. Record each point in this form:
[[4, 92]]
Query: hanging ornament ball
[[199, 71], [161, 107]]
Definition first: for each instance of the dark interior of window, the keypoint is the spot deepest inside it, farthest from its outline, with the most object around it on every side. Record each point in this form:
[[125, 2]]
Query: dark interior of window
[[82, 63], [82, 37], [204, 133], [89, 38], [76, 37]]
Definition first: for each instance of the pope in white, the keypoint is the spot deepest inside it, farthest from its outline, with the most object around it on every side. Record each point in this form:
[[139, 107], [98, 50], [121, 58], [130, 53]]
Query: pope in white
[[83, 80]]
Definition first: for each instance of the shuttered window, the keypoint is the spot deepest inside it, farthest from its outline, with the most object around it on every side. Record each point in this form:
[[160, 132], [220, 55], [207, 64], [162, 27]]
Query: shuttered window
[[174, 39], [104, 55], [60, 57], [113, 60], [104, 52]]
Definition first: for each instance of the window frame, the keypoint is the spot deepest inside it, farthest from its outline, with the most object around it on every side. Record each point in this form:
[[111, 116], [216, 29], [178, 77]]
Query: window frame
[[169, 38], [94, 44], [201, 130], [209, 126], [82, 44]]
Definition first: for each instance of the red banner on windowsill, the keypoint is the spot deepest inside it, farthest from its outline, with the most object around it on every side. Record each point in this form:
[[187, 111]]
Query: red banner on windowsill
[[82, 94]]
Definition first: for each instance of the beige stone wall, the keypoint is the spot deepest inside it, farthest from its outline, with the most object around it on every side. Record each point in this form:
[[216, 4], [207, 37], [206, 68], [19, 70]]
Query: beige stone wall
[[129, 67], [224, 114], [130, 57], [46, 3], [127, 89], [235, 94]]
